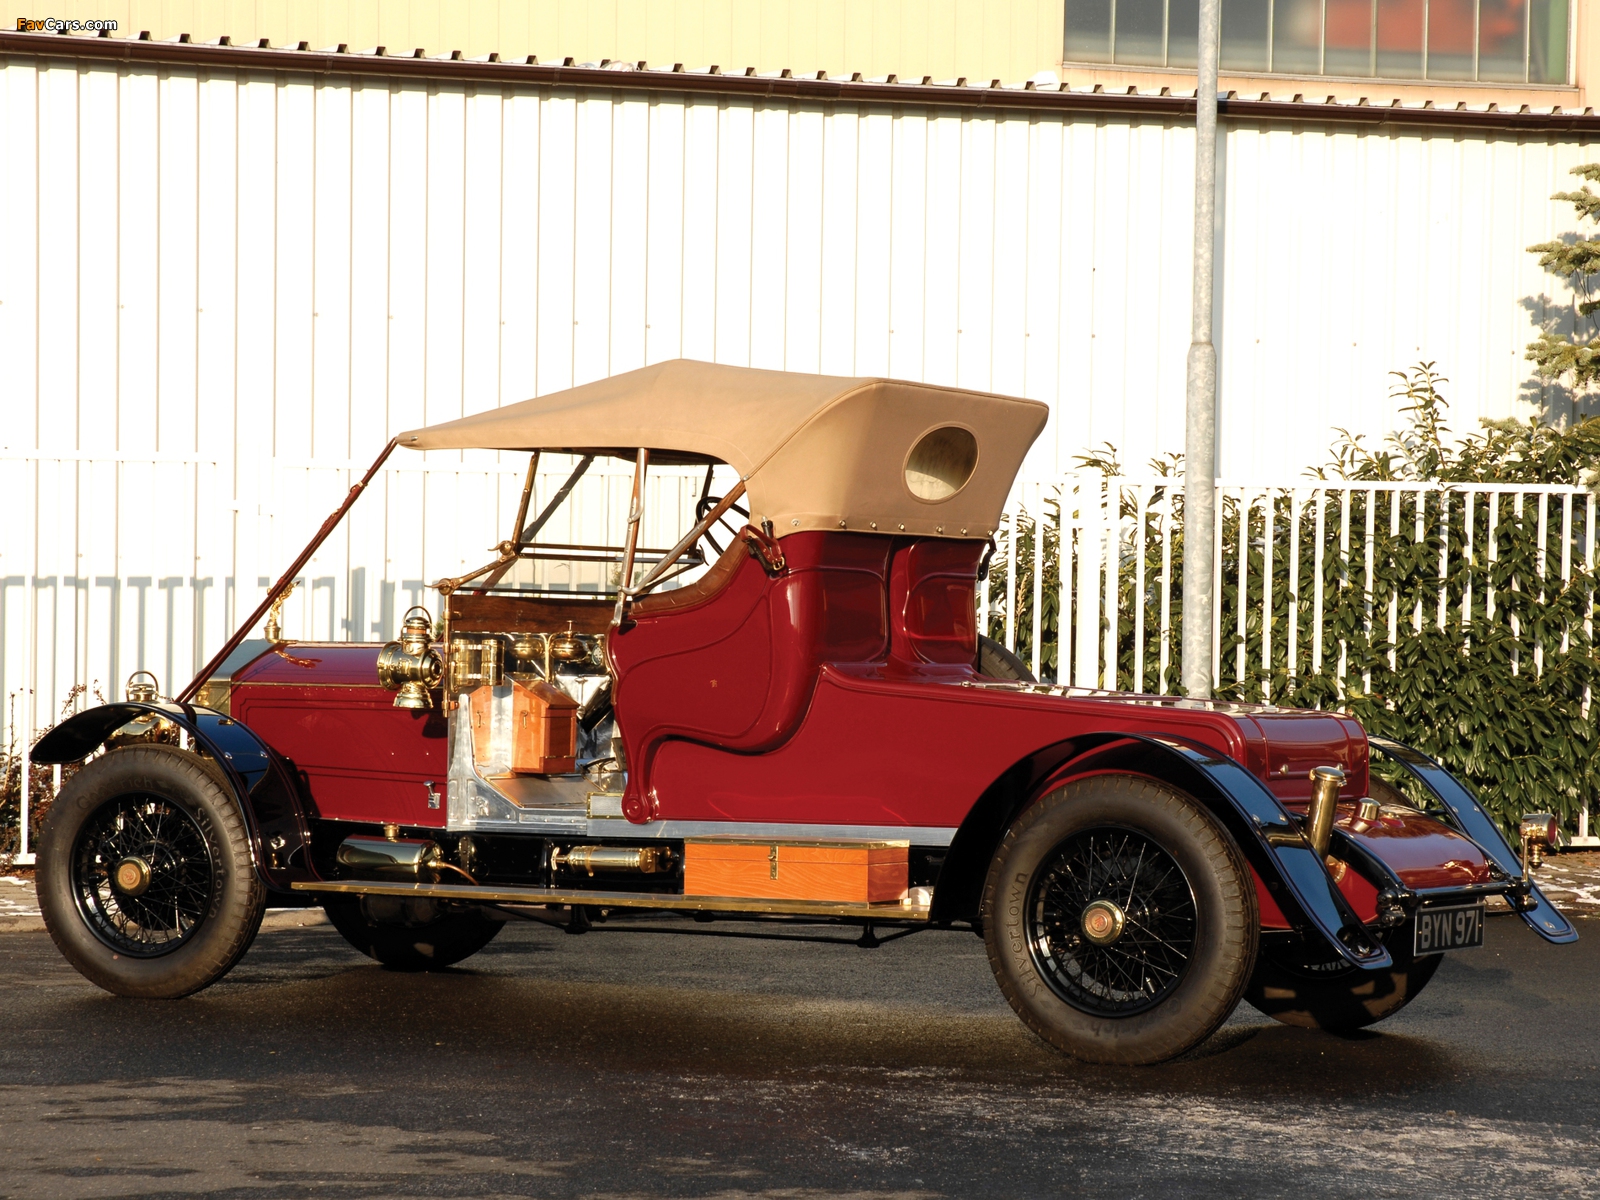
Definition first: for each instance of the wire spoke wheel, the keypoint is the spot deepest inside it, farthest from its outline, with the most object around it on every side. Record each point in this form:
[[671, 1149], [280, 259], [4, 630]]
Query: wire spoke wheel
[[1120, 919], [147, 880], [1111, 922], [142, 875]]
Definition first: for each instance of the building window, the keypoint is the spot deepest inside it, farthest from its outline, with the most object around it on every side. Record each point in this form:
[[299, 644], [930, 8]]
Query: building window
[[1493, 41]]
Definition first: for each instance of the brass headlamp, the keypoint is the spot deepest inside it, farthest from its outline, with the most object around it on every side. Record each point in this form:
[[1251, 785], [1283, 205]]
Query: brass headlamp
[[411, 665], [1539, 832], [142, 691]]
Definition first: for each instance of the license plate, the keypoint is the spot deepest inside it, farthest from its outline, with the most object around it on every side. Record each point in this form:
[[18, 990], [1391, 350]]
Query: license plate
[[1440, 929]]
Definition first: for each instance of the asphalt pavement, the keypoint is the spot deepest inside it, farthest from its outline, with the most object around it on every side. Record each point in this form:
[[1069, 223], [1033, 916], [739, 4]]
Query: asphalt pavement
[[627, 1063]]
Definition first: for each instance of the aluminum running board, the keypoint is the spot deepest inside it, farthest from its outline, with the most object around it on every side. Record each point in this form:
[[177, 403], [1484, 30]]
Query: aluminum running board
[[672, 902]]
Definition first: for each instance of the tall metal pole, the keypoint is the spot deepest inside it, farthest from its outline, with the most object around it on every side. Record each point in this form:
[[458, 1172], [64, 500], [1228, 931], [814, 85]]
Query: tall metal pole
[[1200, 395]]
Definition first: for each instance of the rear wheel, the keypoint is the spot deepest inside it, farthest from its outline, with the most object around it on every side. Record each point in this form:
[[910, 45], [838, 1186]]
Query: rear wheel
[[406, 934], [1120, 920], [146, 880], [1335, 996]]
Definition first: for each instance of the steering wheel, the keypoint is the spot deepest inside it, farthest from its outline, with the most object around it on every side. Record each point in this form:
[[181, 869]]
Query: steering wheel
[[703, 509], [706, 504]]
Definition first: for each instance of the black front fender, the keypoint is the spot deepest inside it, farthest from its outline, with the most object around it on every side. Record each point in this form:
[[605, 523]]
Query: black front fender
[[262, 781]]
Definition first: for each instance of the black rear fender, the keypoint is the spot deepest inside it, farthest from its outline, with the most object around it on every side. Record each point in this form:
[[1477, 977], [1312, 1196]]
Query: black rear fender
[[1461, 809], [262, 781], [1269, 837]]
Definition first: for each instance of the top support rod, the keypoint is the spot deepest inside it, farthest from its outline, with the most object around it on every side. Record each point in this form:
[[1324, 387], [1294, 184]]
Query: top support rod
[[1200, 392]]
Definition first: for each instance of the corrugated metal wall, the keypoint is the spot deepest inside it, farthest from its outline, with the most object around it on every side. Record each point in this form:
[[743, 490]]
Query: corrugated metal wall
[[223, 289]]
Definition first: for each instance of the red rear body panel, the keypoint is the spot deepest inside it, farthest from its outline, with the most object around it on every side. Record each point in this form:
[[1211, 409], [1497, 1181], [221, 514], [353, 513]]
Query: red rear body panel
[[832, 694]]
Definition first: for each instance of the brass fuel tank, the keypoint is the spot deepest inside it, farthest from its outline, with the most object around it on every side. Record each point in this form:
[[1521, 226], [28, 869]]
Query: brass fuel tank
[[407, 859]]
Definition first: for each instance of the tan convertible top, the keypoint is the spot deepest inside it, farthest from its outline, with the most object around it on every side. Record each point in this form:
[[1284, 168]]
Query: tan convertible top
[[815, 451]]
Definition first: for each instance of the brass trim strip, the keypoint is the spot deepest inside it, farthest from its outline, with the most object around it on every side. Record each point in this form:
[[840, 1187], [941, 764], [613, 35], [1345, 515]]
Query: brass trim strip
[[797, 843], [672, 901], [272, 683]]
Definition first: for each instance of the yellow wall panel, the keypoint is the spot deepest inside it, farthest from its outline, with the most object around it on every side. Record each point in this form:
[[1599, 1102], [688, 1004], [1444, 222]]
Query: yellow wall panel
[[1005, 39]]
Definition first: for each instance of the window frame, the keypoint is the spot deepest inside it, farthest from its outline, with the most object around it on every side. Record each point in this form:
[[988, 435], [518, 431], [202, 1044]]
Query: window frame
[[1566, 81]]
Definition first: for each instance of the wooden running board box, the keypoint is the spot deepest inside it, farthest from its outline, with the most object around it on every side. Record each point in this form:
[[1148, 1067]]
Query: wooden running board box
[[859, 872]]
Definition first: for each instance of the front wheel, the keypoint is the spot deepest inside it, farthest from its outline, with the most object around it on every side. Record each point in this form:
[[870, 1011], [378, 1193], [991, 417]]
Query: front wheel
[[1120, 920], [146, 880], [1335, 996]]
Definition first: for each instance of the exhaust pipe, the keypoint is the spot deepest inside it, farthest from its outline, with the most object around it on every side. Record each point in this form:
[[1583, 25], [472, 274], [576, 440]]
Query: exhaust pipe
[[1325, 785]]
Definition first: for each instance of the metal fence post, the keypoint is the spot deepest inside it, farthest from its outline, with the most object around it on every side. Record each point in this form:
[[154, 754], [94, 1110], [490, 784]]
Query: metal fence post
[[25, 857]]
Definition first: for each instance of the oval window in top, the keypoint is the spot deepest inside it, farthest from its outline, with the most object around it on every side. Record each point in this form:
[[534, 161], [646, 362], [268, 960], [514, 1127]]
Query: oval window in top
[[941, 462]]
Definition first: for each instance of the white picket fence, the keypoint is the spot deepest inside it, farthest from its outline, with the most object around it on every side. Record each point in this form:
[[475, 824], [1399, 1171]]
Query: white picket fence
[[122, 562], [1112, 582], [1097, 518]]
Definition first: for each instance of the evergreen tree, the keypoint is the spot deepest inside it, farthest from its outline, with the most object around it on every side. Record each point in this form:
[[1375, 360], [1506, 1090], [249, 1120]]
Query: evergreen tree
[[1578, 262]]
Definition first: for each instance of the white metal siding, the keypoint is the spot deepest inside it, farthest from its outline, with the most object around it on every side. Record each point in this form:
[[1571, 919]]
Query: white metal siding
[[220, 290]]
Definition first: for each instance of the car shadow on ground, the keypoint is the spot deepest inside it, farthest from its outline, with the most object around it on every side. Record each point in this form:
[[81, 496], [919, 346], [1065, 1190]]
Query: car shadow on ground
[[514, 1009]]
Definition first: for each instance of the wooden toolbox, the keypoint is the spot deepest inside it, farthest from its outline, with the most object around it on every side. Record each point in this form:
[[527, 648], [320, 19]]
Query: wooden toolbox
[[531, 728], [855, 872]]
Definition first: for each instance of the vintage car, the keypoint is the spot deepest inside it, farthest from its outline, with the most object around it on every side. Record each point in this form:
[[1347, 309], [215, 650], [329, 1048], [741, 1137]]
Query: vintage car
[[805, 728]]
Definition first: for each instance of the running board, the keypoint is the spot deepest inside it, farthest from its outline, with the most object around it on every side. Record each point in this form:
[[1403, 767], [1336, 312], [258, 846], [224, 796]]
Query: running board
[[672, 902]]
